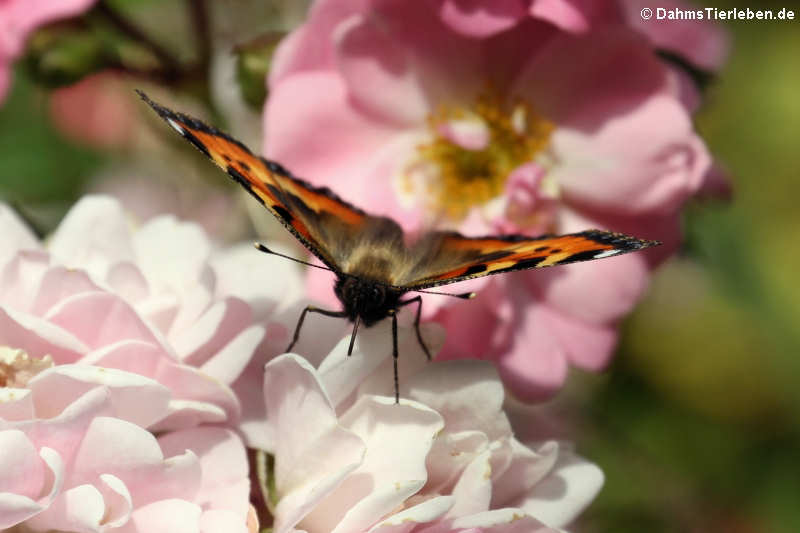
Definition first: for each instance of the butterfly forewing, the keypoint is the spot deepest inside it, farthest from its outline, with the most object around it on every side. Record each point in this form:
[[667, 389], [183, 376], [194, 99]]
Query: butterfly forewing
[[316, 216], [451, 257]]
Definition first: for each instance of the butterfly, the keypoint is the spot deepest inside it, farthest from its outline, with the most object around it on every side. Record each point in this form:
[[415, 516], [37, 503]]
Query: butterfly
[[376, 266]]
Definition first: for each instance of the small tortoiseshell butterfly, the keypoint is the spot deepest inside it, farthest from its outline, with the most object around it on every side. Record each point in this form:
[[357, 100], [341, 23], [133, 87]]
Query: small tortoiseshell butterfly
[[374, 263]]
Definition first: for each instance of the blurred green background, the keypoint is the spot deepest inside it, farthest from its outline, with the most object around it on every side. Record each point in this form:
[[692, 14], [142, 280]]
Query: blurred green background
[[697, 422]]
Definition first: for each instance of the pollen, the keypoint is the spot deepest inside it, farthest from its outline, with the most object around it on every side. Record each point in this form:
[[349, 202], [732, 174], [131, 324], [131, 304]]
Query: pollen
[[473, 150]]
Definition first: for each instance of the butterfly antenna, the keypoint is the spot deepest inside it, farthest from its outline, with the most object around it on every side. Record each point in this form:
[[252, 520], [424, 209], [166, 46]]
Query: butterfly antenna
[[463, 295], [353, 336], [266, 250]]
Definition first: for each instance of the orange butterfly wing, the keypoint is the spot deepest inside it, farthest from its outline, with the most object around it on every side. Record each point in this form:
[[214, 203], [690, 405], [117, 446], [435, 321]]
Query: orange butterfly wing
[[451, 257], [315, 215], [350, 241]]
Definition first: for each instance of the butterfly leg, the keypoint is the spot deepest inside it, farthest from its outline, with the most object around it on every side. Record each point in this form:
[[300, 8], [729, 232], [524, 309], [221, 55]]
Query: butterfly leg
[[312, 309], [418, 300], [394, 357]]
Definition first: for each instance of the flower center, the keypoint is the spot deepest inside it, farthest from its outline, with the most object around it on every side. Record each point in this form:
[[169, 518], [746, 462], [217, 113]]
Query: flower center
[[17, 367], [473, 151]]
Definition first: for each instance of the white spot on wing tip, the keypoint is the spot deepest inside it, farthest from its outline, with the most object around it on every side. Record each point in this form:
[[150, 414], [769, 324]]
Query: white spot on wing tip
[[177, 127], [606, 253]]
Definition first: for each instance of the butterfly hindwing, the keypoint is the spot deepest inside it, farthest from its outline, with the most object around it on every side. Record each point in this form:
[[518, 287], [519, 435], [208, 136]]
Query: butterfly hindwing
[[315, 215], [451, 257]]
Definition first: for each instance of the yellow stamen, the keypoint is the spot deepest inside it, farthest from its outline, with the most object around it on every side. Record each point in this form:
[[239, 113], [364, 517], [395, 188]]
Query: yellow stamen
[[464, 177]]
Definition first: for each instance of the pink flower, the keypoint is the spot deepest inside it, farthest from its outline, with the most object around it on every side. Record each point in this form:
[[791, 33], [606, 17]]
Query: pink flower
[[18, 18], [144, 301], [532, 130], [454, 462], [76, 457]]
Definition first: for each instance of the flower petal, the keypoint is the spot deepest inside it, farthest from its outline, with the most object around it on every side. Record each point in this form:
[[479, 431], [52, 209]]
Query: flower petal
[[559, 498], [92, 236], [476, 18], [135, 398], [314, 453]]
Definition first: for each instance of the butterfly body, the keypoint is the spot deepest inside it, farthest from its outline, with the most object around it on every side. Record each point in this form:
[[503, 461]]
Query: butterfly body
[[375, 262]]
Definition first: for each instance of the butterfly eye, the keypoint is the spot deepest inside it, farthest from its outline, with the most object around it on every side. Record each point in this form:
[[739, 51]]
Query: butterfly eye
[[378, 294]]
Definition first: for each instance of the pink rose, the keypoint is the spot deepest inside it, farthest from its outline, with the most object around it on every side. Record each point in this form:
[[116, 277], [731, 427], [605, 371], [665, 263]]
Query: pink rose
[[77, 457], [532, 130], [348, 459], [146, 301]]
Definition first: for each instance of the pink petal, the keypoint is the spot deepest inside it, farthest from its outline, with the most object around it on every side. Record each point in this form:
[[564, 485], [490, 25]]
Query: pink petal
[[225, 483], [244, 272], [58, 284], [314, 107], [610, 170], [228, 364], [79, 508], [588, 346], [576, 15], [342, 374], [15, 509], [131, 355], [127, 280], [16, 404], [21, 277], [476, 18], [196, 398], [98, 319], [92, 236], [467, 394], [450, 455], [582, 82], [473, 491], [417, 515], [563, 495], [527, 468], [171, 253], [119, 504], [598, 292], [376, 343], [134, 397], [21, 469], [377, 72], [216, 327], [167, 516], [507, 520], [444, 62], [16, 235], [39, 337], [536, 366], [308, 47], [403, 432], [63, 434], [222, 521], [133, 455], [315, 453]]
